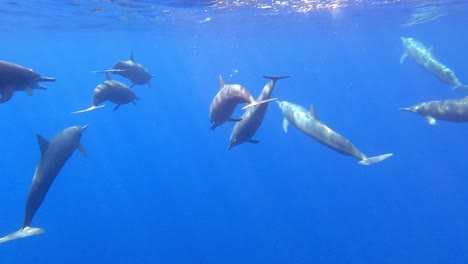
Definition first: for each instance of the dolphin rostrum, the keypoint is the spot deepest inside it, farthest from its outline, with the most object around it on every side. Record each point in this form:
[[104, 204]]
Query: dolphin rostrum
[[54, 154], [309, 123], [14, 77]]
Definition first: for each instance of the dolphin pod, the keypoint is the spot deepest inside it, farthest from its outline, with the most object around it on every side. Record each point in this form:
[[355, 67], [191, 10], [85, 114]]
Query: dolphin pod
[[15, 77], [309, 123], [426, 59], [54, 154]]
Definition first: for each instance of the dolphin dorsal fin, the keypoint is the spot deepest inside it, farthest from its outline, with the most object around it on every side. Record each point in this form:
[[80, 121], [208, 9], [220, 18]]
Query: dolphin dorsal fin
[[313, 112], [43, 144], [131, 56], [221, 82], [108, 77]]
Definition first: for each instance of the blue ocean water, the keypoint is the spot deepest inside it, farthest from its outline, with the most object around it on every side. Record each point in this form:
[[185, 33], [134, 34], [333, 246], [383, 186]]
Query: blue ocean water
[[159, 187]]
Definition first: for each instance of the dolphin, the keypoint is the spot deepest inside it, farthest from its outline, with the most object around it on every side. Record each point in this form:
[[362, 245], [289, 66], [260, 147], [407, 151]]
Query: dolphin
[[425, 58], [226, 100], [113, 91], [131, 70], [54, 154], [455, 110], [252, 118], [14, 77], [309, 123]]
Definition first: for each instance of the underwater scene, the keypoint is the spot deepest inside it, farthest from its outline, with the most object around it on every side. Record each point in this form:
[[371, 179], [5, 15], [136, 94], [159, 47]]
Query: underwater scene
[[254, 131]]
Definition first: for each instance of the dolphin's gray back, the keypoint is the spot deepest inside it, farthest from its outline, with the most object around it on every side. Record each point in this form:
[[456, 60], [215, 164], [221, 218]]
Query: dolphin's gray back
[[56, 154]]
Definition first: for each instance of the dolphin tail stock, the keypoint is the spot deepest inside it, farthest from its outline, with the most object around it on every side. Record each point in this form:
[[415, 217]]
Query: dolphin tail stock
[[372, 160], [276, 78], [23, 232], [460, 87], [91, 108], [110, 70], [255, 103], [46, 79]]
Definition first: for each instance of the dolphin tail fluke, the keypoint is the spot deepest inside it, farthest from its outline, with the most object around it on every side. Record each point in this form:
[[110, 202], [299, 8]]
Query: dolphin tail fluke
[[91, 108], [276, 78], [107, 71], [255, 103], [460, 87], [372, 160], [46, 79], [23, 232]]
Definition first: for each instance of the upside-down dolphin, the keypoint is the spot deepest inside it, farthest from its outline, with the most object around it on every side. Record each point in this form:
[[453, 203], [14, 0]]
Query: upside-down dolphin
[[14, 77], [309, 123], [252, 118], [426, 59], [131, 70], [113, 91], [54, 154], [455, 110], [226, 100]]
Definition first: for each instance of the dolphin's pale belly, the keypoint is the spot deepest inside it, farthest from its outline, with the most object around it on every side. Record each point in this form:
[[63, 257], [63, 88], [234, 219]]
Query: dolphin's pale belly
[[327, 136]]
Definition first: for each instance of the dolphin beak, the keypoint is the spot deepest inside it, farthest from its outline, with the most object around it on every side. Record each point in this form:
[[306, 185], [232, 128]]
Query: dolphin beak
[[406, 109], [84, 127]]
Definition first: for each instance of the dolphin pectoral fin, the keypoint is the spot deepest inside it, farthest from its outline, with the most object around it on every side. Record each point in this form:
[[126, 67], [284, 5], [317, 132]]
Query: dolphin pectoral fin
[[23, 232], [41, 87], [403, 57], [235, 119], [7, 93], [91, 108], [431, 121], [285, 125], [43, 143], [460, 87], [253, 141], [83, 151], [131, 86], [29, 91], [150, 85], [255, 103], [372, 160], [115, 108]]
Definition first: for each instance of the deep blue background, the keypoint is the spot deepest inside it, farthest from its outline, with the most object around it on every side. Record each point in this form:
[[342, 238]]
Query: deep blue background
[[160, 187]]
